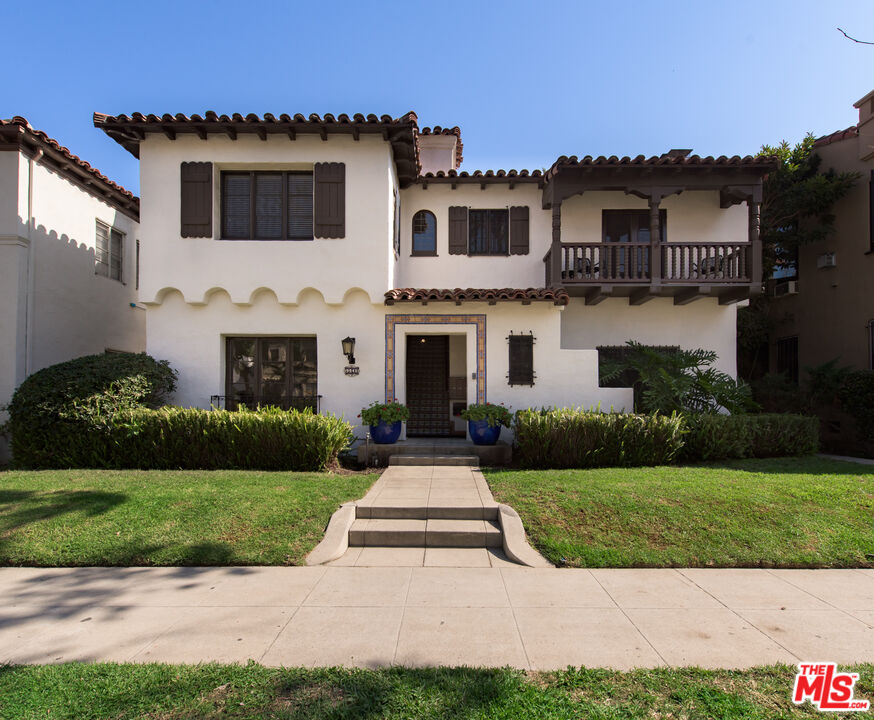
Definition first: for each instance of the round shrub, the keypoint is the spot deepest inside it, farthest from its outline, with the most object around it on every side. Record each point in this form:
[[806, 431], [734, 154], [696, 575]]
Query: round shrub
[[53, 411]]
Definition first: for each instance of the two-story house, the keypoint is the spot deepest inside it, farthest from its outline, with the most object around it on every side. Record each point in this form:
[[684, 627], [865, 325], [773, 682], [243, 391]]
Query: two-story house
[[68, 254], [334, 261], [824, 310]]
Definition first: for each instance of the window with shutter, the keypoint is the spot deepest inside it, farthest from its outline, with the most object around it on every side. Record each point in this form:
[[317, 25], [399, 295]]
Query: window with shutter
[[267, 205], [329, 200], [196, 203], [521, 360], [519, 230], [457, 230], [108, 252]]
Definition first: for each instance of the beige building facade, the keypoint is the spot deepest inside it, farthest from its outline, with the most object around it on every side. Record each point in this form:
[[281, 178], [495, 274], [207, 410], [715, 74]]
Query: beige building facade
[[827, 312]]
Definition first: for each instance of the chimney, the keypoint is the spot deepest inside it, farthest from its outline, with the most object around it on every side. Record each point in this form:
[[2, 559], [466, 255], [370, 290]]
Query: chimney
[[439, 149], [678, 152], [865, 107]]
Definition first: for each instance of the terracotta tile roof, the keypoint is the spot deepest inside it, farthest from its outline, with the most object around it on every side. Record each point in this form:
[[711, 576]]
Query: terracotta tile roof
[[130, 130], [17, 134], [459, 146], [483, 176], [558, 296], [666, 160], [850, 132]]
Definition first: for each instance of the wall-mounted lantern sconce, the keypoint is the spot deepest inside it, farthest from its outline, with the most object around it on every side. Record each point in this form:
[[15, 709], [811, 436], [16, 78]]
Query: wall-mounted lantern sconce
[[349, 349]]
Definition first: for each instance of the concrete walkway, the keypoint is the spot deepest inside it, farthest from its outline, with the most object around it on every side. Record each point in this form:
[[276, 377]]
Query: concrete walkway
[[527, 618]]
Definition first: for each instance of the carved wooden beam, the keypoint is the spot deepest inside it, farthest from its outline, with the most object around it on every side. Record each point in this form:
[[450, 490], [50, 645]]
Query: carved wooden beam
[[734, 295], [598, 294], [262, 132], [639, 297]]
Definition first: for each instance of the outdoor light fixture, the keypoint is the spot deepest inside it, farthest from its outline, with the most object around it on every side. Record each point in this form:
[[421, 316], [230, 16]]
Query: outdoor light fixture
[[349, 349]]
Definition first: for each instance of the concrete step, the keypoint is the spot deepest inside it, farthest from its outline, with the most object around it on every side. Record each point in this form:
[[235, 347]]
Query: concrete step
[[415, 510], [394, 532], [431, 459]]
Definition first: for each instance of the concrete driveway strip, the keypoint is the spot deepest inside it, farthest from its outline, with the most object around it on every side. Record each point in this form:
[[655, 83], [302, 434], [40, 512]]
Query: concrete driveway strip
[[421, 616]]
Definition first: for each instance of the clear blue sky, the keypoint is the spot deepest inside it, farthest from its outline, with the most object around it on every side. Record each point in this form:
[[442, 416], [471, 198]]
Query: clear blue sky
[[526, 81]]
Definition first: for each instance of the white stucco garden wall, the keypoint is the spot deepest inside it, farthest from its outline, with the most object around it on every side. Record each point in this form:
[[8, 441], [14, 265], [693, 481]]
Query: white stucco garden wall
[[197, 266]]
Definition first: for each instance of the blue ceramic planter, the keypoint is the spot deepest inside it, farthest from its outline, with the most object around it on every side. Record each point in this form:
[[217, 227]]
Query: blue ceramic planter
[[385, 433], [483, 434]]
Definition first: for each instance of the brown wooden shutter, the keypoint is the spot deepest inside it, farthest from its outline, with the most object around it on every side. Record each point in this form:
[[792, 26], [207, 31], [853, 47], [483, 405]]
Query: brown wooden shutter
[[521, 370], [457, 230], [519, 230], [329, 200], [196, 214]]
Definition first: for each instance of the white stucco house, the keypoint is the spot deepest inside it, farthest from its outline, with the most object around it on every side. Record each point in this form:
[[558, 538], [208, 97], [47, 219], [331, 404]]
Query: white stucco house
[[267, 241], [68, 254]]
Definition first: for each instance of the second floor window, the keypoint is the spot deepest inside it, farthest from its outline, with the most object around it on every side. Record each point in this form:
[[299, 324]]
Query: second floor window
[[267, 205], [488, 232], [424, 233], [109, 252]]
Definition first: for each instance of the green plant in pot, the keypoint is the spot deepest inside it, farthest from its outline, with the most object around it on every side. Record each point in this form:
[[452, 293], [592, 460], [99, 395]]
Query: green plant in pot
[[385, 420], [484, 422]]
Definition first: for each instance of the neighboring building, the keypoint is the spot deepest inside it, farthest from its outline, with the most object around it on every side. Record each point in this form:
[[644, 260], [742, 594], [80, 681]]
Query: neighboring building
[[68, 239], [267, 241], [825, 311]]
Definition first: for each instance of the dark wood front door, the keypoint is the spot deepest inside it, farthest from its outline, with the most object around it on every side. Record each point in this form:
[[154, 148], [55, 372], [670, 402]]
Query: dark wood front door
[[428, 385]]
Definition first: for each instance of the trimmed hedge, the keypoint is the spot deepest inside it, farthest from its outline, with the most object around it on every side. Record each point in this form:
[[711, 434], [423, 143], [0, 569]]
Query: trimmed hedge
[[567, 438], [720, 437], [174, 438], [52, 408]]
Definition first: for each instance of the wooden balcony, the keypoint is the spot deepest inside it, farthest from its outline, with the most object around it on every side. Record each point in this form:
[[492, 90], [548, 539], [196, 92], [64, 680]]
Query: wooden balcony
[[685, 271]]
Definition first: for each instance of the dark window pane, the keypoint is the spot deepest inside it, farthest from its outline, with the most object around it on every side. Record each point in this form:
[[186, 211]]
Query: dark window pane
[[268, 206], [424, 232], [274, 371], [116, 250], [235, 206], [305, 367], [242, 382], [488, 232], [300, 206], [101, 251], [499, 225]]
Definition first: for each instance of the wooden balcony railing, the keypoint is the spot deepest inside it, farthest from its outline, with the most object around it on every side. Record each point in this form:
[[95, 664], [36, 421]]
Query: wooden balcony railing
[[681, 263]]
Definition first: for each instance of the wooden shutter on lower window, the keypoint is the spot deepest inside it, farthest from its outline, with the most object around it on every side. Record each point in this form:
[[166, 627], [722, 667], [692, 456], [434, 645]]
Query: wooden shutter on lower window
[[196, 214], [329, 200], [519, 230], [521, 368], [457, 230]]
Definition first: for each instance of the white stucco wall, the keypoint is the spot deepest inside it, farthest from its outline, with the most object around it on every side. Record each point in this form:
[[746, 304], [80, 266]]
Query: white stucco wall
[[197, 266], [693, 216], [192, 338], [701, 324], [53, 307]]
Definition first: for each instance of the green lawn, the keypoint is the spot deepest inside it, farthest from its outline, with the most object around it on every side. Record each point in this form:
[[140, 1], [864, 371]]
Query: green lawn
[[785, 512], [103, 517], [165, 692]]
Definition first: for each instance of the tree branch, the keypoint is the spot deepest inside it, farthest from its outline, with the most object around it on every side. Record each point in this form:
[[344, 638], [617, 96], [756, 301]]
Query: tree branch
[[861, 42]]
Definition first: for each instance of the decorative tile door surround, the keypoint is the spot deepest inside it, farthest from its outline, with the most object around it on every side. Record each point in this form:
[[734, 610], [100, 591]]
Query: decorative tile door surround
[[391, 321]]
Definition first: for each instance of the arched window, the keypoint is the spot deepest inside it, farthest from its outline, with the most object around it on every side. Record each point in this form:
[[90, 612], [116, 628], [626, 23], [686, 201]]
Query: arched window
[[424, 233]]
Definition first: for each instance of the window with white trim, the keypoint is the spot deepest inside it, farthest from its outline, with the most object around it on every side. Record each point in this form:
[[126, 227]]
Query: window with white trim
[[109, 252]]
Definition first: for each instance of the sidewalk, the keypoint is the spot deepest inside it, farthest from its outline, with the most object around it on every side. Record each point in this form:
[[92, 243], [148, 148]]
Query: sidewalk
[[527, 618]]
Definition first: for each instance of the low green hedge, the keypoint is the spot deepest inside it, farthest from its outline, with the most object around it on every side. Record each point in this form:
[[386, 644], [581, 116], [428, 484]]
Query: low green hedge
[[568, 438], [720, 437], [194, 439]]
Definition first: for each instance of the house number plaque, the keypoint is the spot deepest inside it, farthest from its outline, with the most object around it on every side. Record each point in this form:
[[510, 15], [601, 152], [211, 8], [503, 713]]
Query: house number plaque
[[352, 370]]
